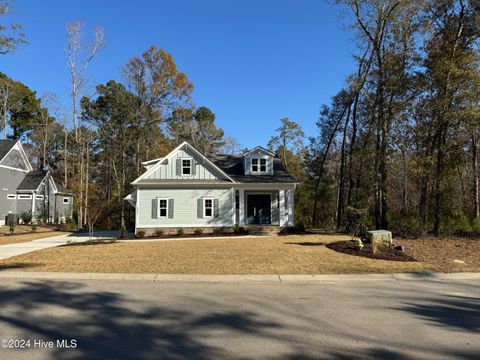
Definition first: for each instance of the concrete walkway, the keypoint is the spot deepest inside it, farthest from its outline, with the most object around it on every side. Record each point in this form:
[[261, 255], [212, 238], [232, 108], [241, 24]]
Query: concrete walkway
[[10, 250], [238, 278]]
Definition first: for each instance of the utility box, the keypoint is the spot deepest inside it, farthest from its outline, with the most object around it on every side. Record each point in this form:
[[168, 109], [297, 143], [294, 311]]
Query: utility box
[[380, 236]]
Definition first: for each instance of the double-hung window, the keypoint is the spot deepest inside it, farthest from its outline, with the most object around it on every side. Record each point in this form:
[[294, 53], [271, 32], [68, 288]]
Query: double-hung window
[[263, 165], [254, 165], [207, 208], [186, 166], [162, 208], [259, 165]]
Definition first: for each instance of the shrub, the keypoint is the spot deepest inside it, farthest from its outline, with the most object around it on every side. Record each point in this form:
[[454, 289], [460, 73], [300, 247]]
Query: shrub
[[26, 217], [218, 231], [456, 225], [356, 221], [376, 244], [34, 228], [140, 234], [240, 230], [180, 232], [476, 225], [405, 225], [158, 233], [12, 228], [198, 231]]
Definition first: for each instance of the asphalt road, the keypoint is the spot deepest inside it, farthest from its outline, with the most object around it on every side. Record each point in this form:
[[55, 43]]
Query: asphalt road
[[390, 319]]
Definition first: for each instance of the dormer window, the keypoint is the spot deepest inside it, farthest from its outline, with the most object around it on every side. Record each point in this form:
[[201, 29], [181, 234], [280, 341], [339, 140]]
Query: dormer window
[[263, 165], [187, 167], [254, 165], [259, 165]]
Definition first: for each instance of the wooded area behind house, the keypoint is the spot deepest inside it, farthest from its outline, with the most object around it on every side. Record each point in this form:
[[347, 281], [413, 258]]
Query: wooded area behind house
[[397, 147]]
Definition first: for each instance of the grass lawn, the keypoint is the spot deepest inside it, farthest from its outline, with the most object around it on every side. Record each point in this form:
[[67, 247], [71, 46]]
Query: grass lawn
[[21, 229], [267, 255], [14, 239]]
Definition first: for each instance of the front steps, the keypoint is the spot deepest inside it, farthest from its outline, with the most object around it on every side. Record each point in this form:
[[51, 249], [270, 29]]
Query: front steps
[[265, 230]]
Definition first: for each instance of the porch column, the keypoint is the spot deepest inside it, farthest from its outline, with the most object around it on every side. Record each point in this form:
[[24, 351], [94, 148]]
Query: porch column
[[281, 207], [241, 208], [290, 203]]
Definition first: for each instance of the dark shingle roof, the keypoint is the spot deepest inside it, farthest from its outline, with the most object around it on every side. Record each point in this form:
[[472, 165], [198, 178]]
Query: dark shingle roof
[[232, 165], [5, 146], [32, 180]]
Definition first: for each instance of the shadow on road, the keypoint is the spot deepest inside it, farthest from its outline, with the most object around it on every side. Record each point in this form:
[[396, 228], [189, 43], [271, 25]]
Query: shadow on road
[[105, 328], [454, 312]]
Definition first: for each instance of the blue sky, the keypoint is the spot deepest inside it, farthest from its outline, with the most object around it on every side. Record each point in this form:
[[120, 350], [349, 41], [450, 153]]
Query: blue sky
[[251, 62]]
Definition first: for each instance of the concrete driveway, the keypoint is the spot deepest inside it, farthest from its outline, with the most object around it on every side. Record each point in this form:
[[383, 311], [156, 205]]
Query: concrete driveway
[[423, 318], [10, 250]]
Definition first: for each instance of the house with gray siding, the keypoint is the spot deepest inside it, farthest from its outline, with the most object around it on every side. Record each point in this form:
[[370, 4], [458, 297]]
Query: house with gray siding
[[186, 189], [23, 189]]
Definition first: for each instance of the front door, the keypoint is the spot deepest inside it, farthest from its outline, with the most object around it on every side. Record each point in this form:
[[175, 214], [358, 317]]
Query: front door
[[258, 209]]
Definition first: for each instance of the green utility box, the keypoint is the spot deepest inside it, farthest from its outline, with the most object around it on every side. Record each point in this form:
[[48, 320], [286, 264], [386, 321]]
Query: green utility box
[[379, 235]]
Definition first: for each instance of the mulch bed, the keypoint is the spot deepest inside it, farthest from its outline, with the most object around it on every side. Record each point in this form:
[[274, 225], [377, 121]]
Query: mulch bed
[[386, 253], [445, 252]]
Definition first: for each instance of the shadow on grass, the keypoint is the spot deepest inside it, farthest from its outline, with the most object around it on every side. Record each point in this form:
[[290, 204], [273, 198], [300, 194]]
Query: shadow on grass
[[91, 242], [307, 243], [18, 265], [108, 325]]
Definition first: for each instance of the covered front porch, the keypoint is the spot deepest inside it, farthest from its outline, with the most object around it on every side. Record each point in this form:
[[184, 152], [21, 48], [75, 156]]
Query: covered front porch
[[264, 207]]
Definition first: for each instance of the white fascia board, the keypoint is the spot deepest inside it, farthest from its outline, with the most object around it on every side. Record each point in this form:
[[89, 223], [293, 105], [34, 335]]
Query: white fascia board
[[18, 146], [169, 156], [259, 148]]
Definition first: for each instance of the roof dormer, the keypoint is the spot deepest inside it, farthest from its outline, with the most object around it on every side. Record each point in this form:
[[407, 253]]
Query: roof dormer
[[258, 161]]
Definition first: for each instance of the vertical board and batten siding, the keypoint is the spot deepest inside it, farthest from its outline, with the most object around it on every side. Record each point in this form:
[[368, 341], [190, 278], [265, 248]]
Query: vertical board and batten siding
[[260, 155], [185, 211], [202, 171], [14, 159]]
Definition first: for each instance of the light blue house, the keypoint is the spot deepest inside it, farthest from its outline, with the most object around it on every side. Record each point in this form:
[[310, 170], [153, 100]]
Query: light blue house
[[188, 190]]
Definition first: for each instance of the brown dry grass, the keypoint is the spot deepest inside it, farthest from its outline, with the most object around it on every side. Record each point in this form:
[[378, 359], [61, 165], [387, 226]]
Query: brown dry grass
[[270, 255], [14, 239]]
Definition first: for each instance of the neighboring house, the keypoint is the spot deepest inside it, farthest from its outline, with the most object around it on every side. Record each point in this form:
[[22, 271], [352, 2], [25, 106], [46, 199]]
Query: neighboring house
[[23, 189], [188, 190]]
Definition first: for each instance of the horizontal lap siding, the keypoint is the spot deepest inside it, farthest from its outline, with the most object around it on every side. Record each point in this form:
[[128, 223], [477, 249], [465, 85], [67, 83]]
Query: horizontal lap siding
[[185, 207]]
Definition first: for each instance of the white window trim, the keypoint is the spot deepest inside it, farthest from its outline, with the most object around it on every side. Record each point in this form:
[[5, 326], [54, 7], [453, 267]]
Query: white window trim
[[181, 166], [259, 168], [11, 196], [67, 202], [205, 208], [258, 165], [158, 208], [24, 197]]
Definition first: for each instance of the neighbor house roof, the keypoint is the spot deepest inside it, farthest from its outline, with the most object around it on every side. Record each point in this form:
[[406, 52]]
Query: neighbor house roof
[[32, 180], [233, 166], [5, 147]]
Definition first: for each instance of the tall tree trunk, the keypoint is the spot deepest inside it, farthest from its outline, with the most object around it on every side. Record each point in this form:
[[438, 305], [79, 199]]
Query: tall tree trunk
[[322, 165], [341, 181], [476, 207]]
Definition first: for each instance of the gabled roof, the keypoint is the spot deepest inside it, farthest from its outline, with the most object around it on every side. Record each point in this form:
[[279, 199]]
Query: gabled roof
[[233, 166], [32, 180], [258, 148], [171, 153], [5, 147]]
